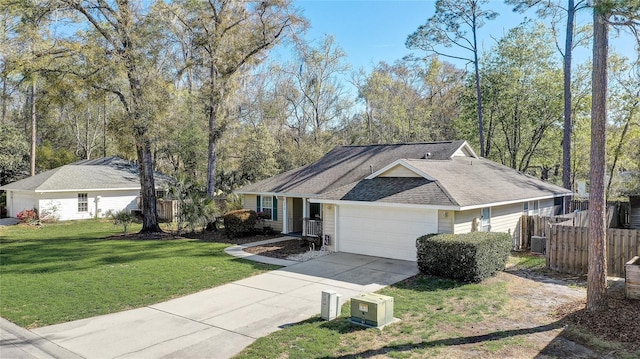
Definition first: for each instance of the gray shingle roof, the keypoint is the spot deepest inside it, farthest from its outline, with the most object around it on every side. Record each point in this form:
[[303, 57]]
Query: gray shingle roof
[[347, 164], [460, 181], [405, 190], [103, 173]]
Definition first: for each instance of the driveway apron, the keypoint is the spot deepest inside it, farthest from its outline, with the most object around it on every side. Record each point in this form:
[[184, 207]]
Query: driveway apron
[[222, 321]]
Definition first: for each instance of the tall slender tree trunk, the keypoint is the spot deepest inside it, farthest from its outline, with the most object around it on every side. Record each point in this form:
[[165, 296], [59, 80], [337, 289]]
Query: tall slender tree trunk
[[597, 269], [4, 100], [568, 123], [213, 132], [34, 121], [476, 66]]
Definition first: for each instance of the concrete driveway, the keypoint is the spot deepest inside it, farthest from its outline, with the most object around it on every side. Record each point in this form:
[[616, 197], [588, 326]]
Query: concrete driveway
[[220, 322]]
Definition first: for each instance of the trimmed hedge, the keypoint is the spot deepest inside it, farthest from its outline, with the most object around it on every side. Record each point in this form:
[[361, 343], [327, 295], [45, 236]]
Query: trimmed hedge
[[239, 222], [470, 257]]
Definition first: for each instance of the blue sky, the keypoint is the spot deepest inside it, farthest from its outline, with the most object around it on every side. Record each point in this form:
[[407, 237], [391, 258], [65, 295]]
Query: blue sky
[[370, 31]]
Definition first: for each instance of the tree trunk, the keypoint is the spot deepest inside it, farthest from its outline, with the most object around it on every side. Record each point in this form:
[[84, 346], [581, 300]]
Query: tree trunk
[[34, 120], [597, 270], [147, 183], [568, 123], [213, 131], [478, 90], [4, 97], [143, 149]]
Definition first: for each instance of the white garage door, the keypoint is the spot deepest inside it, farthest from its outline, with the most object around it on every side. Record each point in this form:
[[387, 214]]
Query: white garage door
[[384, 232]]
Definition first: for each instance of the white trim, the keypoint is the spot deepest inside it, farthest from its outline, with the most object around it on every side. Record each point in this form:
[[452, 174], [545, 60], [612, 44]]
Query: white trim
[[76, 190], [335, 229], [466, 145], [279, 194], [285, 215], [495, 204], [400, 162], [427, 206], [383, 204]]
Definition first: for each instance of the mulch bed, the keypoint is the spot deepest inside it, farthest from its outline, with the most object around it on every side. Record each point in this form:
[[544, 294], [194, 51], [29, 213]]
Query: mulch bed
[[221, 237], [207, 236], [279, 249], [621, 322]]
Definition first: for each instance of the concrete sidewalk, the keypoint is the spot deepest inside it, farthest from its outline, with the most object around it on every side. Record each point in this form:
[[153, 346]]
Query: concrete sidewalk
[[19, 343], [222, 321]]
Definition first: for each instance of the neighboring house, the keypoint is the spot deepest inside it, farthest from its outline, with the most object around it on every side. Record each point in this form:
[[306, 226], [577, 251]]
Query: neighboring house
[[83, 189], [378, 199]]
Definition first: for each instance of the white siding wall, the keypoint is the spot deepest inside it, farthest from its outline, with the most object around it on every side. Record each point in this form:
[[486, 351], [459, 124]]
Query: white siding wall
[[18, 202], [546, 207], [66, 203], [445, 221], [329, 223], [506, 218], [463, 220], [249, 201], [399, 171]]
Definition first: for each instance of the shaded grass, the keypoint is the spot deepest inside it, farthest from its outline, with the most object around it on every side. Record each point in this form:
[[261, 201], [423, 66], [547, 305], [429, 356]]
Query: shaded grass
[[423, 303], [527, 261], [66, 271]]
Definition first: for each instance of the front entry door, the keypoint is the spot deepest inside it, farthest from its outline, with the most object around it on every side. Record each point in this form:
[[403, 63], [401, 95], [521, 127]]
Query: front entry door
[[296, 215]]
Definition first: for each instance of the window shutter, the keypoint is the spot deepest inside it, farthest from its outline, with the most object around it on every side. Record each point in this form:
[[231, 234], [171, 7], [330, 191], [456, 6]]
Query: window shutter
[[275, 208], [258, 204]]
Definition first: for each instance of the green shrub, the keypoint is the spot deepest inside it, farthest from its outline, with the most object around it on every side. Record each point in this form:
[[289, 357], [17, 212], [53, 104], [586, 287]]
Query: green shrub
[[124, 218], [240, 222], [470, 257]]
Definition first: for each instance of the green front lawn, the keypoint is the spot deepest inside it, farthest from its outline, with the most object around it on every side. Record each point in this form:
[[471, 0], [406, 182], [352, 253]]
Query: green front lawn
[[67, 271]]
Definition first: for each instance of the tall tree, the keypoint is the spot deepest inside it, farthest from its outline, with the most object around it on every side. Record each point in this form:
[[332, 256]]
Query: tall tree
[[522, 95], [624, 121], [552, 8], [597, 271], [122, 27], [229, 37], [617, 13], [449, 27], [316, 95]]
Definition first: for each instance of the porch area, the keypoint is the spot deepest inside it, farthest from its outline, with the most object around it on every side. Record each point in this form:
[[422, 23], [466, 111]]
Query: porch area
[[301, 217]]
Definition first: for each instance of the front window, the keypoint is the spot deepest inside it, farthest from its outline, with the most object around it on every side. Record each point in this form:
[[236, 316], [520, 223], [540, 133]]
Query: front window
[[525, 208], [486, 219], [83, 202], [267, 207]]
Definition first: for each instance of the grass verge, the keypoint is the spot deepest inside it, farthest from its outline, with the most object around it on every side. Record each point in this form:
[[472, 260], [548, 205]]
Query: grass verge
[[425, 304], [67, 271]]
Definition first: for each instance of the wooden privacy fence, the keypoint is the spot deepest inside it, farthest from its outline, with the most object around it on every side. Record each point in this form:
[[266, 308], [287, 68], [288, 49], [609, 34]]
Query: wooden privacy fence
[[567, 249], [168, 210], [535, 226]]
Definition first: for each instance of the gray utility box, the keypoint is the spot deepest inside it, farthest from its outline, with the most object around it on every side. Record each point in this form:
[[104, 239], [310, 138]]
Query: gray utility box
[[330, 305], [373, 310], [538, 244]]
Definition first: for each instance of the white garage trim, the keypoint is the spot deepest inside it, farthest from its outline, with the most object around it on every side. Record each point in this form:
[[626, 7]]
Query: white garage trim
[[379, 231]]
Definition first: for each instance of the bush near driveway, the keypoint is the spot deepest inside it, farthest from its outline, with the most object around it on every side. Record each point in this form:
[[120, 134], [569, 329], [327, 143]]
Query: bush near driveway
[[470, 257], [66, 271]]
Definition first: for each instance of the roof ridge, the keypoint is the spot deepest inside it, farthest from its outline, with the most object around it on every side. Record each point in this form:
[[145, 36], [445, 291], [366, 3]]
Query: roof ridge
[[402, 143]]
